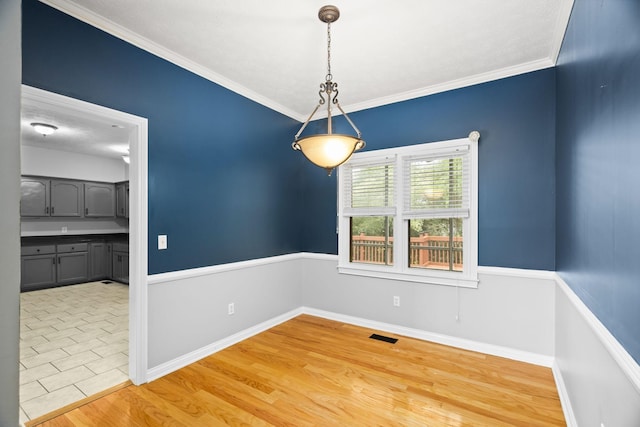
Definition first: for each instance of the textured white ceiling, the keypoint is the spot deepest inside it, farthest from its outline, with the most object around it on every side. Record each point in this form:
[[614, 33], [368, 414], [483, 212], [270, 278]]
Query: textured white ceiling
[[83, 132], [383, 51]]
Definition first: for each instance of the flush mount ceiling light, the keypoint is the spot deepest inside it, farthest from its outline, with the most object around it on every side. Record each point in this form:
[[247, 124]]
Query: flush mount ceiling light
[[328, 150], [44, 128]]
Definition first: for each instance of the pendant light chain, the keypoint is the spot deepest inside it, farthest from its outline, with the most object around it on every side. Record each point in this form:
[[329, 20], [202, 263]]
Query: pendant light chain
[[329, 76]]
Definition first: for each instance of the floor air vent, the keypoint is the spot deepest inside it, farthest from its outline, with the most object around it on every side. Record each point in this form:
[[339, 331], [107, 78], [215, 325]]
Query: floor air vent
[[106, 282], [383, 338]]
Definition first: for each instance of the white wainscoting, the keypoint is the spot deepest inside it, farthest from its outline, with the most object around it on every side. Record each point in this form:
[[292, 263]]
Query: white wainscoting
[[531, 316], [598, 381], [188, 309], [507, 315]]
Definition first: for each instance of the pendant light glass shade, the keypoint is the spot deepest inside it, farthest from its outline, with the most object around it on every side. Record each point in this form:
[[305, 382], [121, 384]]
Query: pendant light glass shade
[[328, 150]]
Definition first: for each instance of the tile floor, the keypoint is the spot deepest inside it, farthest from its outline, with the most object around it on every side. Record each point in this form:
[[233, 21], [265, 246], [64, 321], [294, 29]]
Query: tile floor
[[74, 342]]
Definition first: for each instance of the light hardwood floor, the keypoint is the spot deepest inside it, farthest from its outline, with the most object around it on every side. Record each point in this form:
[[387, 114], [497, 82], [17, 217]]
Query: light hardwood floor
[[311, 371]]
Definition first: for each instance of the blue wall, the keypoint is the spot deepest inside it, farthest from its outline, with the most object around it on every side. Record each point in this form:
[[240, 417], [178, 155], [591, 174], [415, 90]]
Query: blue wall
[[598, 171], [516, 120], [222, 175]]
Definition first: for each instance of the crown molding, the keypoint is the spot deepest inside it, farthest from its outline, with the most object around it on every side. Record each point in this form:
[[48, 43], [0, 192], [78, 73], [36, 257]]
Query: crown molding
[[453, 84], [561, 29]]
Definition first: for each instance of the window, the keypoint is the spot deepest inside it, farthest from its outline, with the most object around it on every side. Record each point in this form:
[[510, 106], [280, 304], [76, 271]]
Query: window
[[410, 213]]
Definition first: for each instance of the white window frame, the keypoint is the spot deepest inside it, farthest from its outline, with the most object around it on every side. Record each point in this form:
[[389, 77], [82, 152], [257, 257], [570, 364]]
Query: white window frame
[[400, 270]]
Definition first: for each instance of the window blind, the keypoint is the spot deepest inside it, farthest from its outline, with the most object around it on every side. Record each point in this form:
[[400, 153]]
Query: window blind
[[437, 186], [369, 189]]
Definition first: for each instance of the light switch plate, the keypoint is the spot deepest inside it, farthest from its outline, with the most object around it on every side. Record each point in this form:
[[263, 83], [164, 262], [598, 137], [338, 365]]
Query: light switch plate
[[162, 241]]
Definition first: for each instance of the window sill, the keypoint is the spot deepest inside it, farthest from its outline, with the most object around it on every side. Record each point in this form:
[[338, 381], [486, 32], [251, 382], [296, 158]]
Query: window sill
[[463, 281]]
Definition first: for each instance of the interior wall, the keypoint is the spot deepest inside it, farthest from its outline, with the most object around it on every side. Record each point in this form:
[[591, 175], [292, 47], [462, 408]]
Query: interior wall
[[190, 310], [598, 104], [64, 164], [514, 312], [9, 209], [222, 178], [516, 156]]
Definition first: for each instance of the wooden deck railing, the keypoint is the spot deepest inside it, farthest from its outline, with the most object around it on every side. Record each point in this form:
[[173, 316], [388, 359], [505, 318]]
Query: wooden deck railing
[[425, 251]]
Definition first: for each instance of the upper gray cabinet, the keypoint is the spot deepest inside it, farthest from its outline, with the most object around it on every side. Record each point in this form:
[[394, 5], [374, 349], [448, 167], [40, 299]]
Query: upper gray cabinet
[[50, 197], [66, 198], [122, 200], [34, 200], [99, 199]]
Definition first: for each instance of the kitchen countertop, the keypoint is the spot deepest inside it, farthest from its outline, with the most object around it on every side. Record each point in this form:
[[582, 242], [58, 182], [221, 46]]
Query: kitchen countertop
[[78, 238]]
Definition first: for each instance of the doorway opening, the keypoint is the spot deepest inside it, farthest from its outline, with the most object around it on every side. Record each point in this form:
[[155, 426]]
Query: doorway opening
[[76, 116]]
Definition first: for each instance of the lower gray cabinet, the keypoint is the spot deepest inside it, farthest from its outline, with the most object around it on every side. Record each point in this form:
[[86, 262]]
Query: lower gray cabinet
[[38, 269], [98, 261], [46, 266], [120, 263], [109, 260], [73, 262]]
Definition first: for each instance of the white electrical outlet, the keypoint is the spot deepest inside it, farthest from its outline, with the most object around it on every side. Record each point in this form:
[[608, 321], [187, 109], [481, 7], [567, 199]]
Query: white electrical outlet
[[64, 229], [396, 301], [232, 308], [162, 241]]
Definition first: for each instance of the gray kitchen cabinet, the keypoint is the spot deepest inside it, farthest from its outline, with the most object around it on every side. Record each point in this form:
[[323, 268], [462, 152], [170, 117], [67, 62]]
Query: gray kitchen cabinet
[[55, 262], [38, 267], [73, 261], [122, 200], [34, 199], [42, 197], [121, 267], [99, 199], [109, 259], [98, 261], [66, 198], [120, 262]]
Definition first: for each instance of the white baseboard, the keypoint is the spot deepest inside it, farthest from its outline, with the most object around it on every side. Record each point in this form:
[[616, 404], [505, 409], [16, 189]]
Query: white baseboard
[[563, 393], [495, 350], [192, 357]]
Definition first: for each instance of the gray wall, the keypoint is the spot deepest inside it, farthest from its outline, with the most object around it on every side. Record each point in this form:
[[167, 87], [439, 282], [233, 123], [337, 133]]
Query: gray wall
[[10, 78], [510, 312], [188, 313]]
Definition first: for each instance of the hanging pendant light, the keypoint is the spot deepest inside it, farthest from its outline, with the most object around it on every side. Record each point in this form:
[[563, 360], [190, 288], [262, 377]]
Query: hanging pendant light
[[328, 150]]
